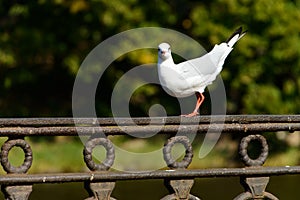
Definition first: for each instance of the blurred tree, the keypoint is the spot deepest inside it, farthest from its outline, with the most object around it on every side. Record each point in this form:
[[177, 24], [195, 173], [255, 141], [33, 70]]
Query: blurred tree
[[261, 75], [42, 44]]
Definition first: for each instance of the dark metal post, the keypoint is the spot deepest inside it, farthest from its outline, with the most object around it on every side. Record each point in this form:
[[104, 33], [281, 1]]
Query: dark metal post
[[99, 190], [254, 186], [16, 192], [180, 187]]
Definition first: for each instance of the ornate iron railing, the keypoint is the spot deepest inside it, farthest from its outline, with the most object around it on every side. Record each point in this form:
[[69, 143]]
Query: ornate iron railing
[[17, 184]]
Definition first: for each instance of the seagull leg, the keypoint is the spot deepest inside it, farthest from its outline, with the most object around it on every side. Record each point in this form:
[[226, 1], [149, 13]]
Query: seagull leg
[[200, 99]]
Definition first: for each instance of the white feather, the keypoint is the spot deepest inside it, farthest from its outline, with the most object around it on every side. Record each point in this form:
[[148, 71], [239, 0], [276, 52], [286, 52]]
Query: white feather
[[186, 78]]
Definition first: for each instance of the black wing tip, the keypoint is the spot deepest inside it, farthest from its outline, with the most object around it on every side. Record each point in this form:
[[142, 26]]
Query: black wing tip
[[245, 32], [242, 32], [238, 31]]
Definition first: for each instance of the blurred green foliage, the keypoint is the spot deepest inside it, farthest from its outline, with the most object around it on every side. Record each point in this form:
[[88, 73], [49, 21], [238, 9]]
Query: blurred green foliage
[[42, 44]]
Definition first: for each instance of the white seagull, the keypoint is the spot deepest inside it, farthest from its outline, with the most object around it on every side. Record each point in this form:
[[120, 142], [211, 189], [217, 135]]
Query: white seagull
[[192, 76]]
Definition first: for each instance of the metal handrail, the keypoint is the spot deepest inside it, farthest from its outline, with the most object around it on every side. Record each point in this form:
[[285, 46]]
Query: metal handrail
[[205, 119], [138, 175], [161, 125]]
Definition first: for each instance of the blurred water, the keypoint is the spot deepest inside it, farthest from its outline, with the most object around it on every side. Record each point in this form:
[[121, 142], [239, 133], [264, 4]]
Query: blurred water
[[284, 187]]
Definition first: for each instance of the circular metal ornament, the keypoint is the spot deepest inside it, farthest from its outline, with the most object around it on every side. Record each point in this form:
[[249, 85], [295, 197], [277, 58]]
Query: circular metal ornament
[[188, 152], [7, 146], [110, 154], [244, 152]]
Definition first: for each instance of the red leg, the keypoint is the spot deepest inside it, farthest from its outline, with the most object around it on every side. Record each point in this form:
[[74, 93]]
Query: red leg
[[200, 99]]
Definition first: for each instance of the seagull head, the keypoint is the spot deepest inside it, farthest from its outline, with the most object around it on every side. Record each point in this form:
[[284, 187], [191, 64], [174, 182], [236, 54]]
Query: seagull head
[[164, 51]]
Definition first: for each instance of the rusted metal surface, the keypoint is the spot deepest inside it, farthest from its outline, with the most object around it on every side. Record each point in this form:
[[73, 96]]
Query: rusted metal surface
[[100, 182]]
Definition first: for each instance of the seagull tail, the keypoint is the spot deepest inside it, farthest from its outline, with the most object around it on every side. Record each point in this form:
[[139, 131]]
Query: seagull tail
[[238, 34]]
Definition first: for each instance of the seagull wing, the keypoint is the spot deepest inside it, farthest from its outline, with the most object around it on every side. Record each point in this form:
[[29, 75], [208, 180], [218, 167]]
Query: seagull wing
[[199, 67], [202, 71]]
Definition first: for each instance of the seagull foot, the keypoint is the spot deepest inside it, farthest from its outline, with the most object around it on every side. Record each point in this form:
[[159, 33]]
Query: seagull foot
[[193, 114]]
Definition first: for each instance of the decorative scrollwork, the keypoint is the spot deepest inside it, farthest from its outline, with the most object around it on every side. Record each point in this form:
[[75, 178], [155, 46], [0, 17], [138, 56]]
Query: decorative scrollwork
[[7, 146], [244, 153], [110, 154], [171, 162]]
